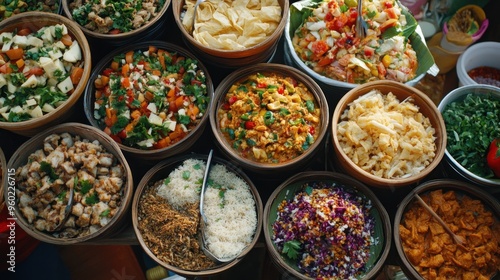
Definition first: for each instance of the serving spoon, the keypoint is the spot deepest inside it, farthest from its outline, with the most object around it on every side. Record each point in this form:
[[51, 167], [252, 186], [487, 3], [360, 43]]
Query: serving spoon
[[203, 219], [457, 238], [67, 211], [361, 25], [198, 2]]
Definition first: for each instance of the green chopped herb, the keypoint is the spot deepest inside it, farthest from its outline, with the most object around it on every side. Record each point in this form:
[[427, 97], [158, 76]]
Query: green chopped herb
[[92, 199], [105, 213], [291, 249], [47, 168]]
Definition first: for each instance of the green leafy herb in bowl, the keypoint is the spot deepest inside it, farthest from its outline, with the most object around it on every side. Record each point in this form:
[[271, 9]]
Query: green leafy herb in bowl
[[472, 118]]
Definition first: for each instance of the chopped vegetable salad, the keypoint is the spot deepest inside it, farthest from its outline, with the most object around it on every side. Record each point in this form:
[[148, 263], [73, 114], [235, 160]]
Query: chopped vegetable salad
[[150, 99], [39, 70]]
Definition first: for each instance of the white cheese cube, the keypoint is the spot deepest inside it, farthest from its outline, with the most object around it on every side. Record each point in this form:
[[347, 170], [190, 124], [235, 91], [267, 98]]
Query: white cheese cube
[[6, 45], [155, 119], [11, 88], [21, 41], [31, 102], [66, 85], [47, 35], [5, 36], [4, 109], [36, 112], [17, 109], [31, 82], [2, 101], [35, 42], [3, 81], [48, 108], [74, 53], [55, 54], [169, 124], [5, 115], [59, 45], [48, 65], [152, 107]]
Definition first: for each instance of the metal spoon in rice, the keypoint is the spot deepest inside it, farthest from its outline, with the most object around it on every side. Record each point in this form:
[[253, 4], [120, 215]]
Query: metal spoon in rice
[[203, 219]]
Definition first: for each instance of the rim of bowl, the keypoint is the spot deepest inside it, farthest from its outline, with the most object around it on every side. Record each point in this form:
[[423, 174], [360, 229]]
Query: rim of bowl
[[89, 92], [274, 37], [463, 58], [440, 131], [84, 131], [41, 17], [119, 36], [330, 81], [285, 70], [348, 181], [436, 184], [160, 171], [457, 95]]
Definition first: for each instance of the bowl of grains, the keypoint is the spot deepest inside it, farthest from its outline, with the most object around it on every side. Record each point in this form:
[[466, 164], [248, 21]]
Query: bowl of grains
[[425, 250], [166, 216], [45, 64], [12, 8], [78, 159], [117, 23], [232, 34], [387, 134], [326, 225], [269, 118]]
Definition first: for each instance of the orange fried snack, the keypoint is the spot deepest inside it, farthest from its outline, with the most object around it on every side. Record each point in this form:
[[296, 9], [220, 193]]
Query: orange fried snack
[[432, 251]]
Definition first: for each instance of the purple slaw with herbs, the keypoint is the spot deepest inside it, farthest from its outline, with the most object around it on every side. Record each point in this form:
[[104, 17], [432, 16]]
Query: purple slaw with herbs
[[327, 229]]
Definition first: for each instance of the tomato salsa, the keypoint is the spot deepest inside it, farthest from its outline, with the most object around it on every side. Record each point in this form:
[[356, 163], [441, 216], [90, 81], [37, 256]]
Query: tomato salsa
[[269, 118], [150, 99], [485, 75]]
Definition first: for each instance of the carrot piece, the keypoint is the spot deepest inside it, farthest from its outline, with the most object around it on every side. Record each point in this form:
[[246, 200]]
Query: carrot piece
[[156, 72], [129, 127], [125, 70], [115, 65], [129, 57], [6, 69], [25, 31], [162, 143], [109, 112], [107, 130], [192, 111], [171, 94], [135, 114], [179, 101], [20, 63], [76, 75], [98, 95], [177, 133], [152, 49], [149, 96], [126, 82], [101, 82], [15, 54], [67, 40], [161, 58]]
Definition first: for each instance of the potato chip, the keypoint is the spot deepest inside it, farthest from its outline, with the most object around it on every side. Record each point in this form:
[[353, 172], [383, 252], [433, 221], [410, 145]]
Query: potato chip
[[248, 22]]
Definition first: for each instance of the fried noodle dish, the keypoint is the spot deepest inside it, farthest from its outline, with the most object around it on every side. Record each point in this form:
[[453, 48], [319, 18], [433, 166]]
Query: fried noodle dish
[[327, 43]]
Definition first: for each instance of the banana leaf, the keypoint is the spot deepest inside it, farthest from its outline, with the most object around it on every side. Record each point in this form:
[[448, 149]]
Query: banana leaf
[[301, 10]]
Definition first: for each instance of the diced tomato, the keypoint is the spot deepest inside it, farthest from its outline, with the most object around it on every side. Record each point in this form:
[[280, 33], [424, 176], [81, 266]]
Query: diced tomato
[[261, 85], [312, 130], [114, 31], [226, 106], [196, 82], [281, 89], [6, 69], [249, 124], [106, 72], [125, 82], [353, 14], [388, 4], [369, 51], [319, 47], [325, 60], [25, 31], [172, 107], [232, 99], [122, 134], [116, 138]]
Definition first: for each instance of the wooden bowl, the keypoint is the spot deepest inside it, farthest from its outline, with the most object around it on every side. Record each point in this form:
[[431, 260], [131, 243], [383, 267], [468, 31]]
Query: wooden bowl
[[460, 188], [401, 91], [148, 31], [116, 223], [161, 171], [35, 21], [290, 165], [379, 249], [153, 154], [4, 177], [54, 7], [262, 52]]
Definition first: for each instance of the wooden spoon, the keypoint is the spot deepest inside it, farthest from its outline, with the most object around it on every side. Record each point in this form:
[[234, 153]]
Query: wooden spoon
[[457, 238]]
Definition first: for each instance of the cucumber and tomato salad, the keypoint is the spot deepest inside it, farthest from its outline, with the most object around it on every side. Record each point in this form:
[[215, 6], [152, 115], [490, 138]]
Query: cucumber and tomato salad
[[150, 99]]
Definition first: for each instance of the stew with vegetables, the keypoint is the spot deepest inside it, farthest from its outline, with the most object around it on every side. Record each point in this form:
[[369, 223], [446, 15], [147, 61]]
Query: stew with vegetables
[[150, 99], [269, 118], [9, 8], [39, 70]]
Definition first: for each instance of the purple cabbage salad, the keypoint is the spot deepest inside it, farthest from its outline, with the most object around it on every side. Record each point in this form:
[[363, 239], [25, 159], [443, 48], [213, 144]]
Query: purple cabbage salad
[[327, 229]]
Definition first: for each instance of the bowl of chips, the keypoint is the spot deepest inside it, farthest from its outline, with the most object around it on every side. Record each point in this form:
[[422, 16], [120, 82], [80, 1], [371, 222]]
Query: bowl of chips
[[152, 98], [269, 118], [117, 23], [166, 216], [322, 43], [232, 34], [387, 134], [326, 225], [44, 71], [425, 250]]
